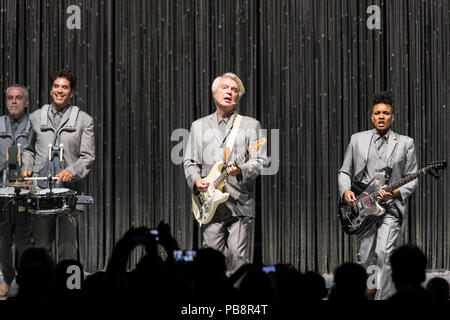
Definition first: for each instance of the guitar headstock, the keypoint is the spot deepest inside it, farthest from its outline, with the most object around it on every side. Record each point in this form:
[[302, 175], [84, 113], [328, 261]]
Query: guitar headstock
[[437, 165], [433, 168]]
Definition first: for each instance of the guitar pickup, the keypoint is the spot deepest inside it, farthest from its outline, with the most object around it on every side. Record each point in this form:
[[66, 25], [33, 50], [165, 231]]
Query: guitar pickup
[[359, 205]]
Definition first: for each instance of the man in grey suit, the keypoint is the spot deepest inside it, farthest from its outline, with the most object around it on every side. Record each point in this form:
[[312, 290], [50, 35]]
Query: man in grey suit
[[366, 159], [15, 224], [59, 124], [228, 230]]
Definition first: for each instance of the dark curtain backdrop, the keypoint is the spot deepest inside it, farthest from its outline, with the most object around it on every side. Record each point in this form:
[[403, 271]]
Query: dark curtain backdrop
[[310, 68]]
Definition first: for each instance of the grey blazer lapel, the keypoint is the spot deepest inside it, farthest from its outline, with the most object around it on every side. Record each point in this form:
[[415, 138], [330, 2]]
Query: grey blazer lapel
[[366, 139], [393, 137], [364, 143], [215, 128]]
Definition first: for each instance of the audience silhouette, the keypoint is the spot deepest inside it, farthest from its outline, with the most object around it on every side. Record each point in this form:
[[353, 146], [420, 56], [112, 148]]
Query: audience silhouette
[[35, 278], [164, 285], [409, 265], [439, 289], [350, 283]]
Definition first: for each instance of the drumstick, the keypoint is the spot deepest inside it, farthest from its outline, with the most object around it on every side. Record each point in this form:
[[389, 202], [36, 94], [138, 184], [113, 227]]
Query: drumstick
[[61, 146], [19, 158], [40, 178], [50, 152]]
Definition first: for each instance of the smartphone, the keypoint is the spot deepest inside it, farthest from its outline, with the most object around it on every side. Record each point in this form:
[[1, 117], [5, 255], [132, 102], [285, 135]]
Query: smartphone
[[269, 269], [184, 255], [143, 238], [154, 233]]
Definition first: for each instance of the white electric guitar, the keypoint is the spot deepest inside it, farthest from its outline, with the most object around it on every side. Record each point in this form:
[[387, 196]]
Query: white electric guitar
[[204, 204]]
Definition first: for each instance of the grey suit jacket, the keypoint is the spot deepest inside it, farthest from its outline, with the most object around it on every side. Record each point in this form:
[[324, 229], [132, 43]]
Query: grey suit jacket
[[79, 145], [206, 146], [7, 138], [355, 161]]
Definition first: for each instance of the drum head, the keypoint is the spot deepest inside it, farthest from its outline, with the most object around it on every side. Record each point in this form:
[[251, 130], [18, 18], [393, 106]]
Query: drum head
[[8, 192], [45, 192]]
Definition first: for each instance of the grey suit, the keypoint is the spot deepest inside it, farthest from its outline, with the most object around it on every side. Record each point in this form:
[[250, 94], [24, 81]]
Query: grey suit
[[376, 245], [227, 231], [15, 224], [79, 145], [79, 155]]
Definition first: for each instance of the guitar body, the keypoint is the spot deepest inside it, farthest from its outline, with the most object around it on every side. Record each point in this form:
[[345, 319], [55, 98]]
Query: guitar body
[[204, 205], [364, 212]]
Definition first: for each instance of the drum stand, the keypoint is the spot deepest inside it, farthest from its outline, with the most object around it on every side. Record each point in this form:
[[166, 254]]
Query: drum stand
[[13, 199], [50, 181]]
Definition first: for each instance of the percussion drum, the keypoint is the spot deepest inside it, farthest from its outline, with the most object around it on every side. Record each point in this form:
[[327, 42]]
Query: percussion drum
[[9, 192], [42, 202]]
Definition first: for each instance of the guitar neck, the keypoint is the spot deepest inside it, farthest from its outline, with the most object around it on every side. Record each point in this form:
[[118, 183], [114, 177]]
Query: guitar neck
[[224, 174], [401, 182], [405, 180], [220, 178]]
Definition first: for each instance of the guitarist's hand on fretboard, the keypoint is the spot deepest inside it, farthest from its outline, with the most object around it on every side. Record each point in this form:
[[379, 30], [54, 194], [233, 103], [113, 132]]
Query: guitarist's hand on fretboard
[[385, 195], [201, 185], [233, 170]]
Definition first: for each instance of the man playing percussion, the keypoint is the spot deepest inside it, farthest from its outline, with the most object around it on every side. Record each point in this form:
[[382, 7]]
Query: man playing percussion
[[61, 143], [15, 225]]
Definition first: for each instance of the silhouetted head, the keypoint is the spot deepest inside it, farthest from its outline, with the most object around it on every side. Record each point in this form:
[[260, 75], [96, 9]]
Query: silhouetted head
[[408, 266], [350, 281], [36, 273], [290, 285], [257, 286], [315, 286], [439, 288], [210, 261]]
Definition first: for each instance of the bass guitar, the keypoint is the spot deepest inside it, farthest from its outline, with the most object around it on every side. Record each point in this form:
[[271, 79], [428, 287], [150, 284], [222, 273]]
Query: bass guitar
[[367, 209]]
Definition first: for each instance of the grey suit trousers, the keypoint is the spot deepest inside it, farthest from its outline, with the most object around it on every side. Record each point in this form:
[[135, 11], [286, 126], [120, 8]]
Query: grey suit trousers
[[375, 247], [15, 227], [60, 227], [228, 234]]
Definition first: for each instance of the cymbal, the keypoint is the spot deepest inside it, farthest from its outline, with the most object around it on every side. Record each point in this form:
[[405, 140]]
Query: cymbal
[[16, 185]]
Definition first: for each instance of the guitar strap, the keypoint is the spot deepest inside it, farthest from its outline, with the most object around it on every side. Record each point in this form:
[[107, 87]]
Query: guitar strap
[[390, 165], [232, 137]]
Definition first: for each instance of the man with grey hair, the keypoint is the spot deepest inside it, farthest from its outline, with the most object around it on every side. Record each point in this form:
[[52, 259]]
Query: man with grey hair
[[15, 223], [209, 137]]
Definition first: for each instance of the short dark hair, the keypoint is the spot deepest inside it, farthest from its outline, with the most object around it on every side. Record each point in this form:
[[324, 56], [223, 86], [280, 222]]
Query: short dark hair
[[64, 73], [383, 97]]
